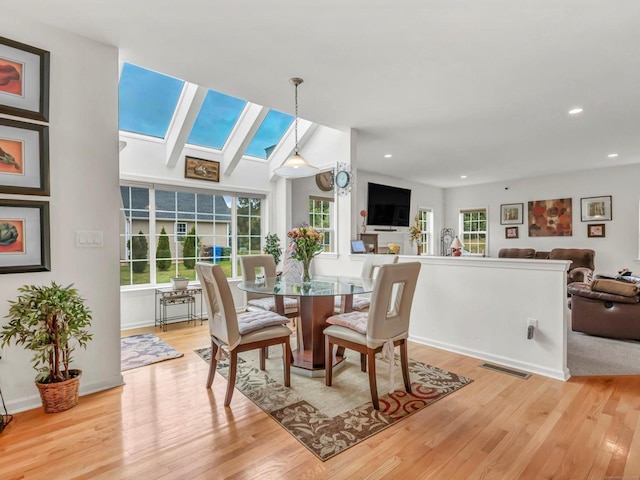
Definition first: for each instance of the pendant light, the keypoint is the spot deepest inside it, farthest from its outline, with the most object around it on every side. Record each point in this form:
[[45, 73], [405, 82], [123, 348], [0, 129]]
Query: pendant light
[[295, 166]]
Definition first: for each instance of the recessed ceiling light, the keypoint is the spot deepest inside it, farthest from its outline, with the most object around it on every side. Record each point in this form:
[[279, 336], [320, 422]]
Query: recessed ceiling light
[[576, 111], [612, 155], [388, 155], [463, 176]]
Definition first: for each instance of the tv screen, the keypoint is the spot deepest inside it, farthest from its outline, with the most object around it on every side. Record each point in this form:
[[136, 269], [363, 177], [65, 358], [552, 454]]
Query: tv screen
[[388, 205]]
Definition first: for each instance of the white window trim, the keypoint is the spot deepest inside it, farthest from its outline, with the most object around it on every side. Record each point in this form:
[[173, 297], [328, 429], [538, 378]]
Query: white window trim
[[486, 232]]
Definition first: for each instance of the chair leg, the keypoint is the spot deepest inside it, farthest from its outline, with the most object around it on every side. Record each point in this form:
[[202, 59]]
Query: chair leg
[[212, 364], [371, 360], [265, 351], [263, 356], [404, 361], [363, 362], [231, 381], [286, 358], [328, 363]]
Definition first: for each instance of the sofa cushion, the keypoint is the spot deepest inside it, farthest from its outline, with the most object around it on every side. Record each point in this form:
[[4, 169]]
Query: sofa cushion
[[626, 289], [584, 290]]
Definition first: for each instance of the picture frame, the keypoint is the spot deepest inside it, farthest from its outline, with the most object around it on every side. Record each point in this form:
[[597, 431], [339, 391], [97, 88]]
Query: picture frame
[[24, 236], [596, 230], [550, 218], [201, 169], [511, 232], [24, 158], [595, 208], [511, 214], [24, 89]]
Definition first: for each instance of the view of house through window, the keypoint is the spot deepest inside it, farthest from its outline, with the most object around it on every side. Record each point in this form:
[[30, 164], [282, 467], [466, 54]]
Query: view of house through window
[[425, 220], [167, 238], [474, 230], [320, 213]]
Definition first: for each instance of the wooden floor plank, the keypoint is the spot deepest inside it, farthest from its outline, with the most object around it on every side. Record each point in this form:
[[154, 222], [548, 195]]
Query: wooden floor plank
[[164, 424]]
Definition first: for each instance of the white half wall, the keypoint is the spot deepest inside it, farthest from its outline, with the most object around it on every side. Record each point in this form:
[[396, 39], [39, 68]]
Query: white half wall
[[84, 196]]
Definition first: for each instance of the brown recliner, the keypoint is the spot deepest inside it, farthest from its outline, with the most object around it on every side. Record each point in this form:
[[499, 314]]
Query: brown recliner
[[582, 263], [516, 253], [606, 314]]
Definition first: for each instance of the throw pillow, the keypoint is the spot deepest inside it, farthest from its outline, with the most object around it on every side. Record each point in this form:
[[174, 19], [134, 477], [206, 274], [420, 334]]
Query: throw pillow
[[615, 287]]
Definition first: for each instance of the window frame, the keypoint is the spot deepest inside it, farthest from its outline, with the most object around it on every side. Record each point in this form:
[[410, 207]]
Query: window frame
[[331, 214], [426, 229], [463, 232]]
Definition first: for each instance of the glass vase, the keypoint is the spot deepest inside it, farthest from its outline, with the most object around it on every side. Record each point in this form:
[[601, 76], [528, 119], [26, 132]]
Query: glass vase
[[306, 277]]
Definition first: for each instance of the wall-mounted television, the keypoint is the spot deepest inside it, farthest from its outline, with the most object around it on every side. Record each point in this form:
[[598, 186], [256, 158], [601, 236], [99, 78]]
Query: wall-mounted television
[[388, 206]]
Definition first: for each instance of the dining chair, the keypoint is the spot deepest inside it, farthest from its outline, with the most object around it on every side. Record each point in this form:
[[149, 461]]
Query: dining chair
[[370, 268], [386, 325], [238, 333], [257, 301]]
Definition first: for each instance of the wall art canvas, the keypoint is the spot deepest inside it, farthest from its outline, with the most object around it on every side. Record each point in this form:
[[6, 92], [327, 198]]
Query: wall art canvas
[[24, 236], [550, 218], [201, 169], [24, 80], [24, 158]]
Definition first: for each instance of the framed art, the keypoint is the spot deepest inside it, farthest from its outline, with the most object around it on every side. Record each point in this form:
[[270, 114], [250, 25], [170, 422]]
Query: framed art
[[595, 230], [24, 236], [201, 169], [24, 80], [511, 213], [551, 218], [511, 232], [24, 158], [595, 208]]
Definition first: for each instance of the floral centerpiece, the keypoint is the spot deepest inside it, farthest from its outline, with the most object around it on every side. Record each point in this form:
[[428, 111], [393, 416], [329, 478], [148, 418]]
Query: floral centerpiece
[[394, 248], [415, 234], [307, 243]]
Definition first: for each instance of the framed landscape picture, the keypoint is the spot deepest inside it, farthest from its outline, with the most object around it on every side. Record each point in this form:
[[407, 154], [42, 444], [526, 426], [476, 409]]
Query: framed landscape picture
[[24, 80], [24, 158], [201, 169], [595, 208], [24, 236], [511, 213]]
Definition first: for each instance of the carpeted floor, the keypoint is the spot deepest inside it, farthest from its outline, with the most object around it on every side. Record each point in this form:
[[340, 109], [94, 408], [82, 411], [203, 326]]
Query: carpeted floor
[[589, 355], [144, 349], [328, 420]]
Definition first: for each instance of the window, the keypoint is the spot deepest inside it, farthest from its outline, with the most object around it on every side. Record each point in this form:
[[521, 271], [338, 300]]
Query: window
[[474, 230], [269, 134], [165, 232], [425, 221], [147, 100], [218, 115], [320, 213]]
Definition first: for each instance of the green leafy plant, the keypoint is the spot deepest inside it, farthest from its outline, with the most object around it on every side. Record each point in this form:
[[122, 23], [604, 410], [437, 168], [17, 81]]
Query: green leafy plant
[[51, 321], [272, 247], [189, 248], [139, 248], [163, 252]]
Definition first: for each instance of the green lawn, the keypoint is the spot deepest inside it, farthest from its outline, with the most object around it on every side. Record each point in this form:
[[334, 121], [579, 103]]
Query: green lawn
[[165, 277]]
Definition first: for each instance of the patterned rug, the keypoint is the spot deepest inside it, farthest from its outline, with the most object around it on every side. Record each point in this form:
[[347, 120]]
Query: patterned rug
[[144, 349], [328, 420]]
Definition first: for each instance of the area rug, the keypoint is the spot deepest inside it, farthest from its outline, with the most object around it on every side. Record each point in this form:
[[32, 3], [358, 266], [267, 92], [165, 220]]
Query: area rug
[[144, 349], [589, 355], [328, 420]]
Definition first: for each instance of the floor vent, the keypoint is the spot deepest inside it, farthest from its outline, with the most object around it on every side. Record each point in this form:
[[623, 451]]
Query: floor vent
[[506, 370]]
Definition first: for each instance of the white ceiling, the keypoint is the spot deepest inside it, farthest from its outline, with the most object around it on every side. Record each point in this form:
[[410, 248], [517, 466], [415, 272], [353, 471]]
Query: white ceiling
[[449, 87]]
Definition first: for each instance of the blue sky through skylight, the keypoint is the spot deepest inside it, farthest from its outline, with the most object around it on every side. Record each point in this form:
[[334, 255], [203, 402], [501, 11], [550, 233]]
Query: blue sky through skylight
[[147, 100], [270, 132], [218, 115]]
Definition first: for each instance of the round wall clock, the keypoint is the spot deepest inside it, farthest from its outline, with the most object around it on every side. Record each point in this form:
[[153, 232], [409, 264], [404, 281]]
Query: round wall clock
[[343, 178], [324, 180]]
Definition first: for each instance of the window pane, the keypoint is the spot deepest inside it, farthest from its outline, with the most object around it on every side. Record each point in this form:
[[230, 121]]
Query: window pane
[[269, 134], [147, 100], [218, 115]]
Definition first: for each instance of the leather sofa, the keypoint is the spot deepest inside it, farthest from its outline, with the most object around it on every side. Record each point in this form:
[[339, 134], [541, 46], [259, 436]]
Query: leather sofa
[[606, 314], [582, 260]]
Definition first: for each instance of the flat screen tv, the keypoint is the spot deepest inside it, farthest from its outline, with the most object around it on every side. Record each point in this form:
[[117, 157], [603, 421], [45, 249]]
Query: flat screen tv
[[388, 206]]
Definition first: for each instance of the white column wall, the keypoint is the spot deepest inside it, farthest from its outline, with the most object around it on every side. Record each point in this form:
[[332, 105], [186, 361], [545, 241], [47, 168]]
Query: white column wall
[[84, 196]]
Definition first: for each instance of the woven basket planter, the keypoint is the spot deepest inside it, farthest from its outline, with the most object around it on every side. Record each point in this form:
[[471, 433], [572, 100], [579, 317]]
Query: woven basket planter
[[60, 396]]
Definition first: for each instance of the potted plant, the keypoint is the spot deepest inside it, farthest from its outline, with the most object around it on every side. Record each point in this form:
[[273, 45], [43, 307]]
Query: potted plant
[[51, 321], [272, 246]]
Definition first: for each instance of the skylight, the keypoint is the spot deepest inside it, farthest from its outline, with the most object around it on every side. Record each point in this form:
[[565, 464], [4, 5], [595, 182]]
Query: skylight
[[147, 100], [269, 134], [218, 115]]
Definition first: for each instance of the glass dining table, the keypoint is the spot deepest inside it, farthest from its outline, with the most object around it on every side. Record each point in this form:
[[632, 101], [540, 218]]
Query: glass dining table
[[317, 303]]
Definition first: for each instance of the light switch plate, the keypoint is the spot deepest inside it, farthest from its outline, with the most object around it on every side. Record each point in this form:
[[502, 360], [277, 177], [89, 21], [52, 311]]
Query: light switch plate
[[89, 239]]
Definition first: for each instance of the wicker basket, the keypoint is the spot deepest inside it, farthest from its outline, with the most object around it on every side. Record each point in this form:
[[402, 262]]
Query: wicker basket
[[60, 396]]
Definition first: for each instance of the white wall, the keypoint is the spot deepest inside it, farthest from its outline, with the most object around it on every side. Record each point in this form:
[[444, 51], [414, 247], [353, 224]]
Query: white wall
[[84, 196], [618, 249]]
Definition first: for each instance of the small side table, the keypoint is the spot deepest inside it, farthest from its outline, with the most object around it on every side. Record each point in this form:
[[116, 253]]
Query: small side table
[[166, 297]]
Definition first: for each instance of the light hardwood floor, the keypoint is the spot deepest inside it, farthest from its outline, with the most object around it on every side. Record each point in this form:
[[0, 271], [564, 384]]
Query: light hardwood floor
[[164, 424]]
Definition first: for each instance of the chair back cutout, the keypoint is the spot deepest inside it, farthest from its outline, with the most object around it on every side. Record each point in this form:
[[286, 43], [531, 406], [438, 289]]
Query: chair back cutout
[[373, 262]]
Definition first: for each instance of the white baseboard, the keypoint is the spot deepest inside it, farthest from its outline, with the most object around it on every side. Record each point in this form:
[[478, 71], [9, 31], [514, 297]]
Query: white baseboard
[[509, 362]]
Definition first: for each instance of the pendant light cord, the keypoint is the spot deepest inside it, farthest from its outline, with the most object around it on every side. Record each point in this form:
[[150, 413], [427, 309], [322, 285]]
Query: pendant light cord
[[296, 125]]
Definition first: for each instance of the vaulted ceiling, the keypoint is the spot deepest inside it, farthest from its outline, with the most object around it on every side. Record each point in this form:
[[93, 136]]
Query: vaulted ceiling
[[452, 88]]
